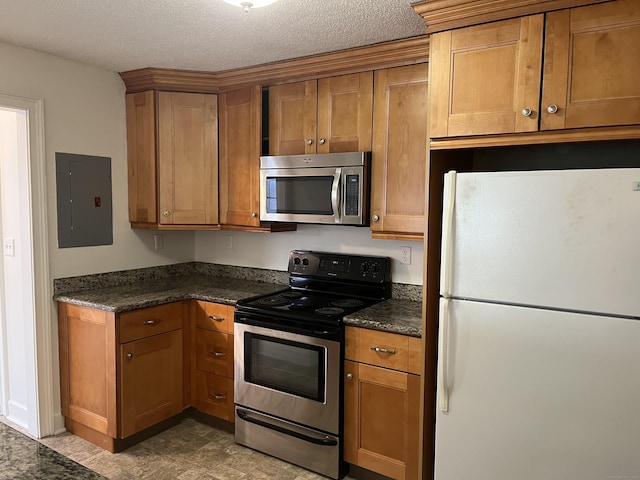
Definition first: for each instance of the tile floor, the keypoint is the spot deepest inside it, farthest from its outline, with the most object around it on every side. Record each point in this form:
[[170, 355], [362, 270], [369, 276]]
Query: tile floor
[[190, 450]]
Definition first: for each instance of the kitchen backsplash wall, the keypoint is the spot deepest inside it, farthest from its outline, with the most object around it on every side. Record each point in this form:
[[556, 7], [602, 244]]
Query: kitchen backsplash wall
[[271, 251]]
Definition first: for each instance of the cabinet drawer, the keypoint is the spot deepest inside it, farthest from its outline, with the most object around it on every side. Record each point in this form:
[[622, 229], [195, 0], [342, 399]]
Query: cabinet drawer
[[384, 349], [214, 352], [214, 395], [214, 316], [145, 322]]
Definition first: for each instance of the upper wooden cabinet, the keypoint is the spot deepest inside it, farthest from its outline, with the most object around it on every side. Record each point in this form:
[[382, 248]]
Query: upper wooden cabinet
[[324, 116], [173, 159], [399, 152], [240, 139], [486, 79]]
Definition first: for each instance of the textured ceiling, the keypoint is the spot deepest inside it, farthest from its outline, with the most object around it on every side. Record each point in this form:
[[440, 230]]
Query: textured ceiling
[[208, 35]]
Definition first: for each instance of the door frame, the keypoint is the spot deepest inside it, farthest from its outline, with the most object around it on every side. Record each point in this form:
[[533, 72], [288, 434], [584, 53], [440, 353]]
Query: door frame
[[41, 371]]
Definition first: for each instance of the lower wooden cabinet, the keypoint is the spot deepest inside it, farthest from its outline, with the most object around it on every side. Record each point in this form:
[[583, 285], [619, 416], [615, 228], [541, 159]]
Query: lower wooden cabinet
[[382, 403], [212, 356], [120, 373]]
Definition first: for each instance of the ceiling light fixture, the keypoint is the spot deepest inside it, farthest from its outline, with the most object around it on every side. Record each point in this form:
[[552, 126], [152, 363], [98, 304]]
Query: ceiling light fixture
[[250, 4]]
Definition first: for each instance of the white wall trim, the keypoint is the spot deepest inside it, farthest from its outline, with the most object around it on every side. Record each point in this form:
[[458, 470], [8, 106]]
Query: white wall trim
[[43, 419]]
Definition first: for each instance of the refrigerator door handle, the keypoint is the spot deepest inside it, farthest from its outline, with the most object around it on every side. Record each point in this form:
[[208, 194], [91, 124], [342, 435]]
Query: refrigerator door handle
[[447, 233], [443, 354]]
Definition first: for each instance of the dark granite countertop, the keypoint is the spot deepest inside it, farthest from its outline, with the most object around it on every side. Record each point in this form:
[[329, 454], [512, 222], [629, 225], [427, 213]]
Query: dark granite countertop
[[133, 289], [122, 298], [393, 315]]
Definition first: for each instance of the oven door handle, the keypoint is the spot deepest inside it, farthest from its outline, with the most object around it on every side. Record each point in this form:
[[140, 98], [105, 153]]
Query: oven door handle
[[327, 442]]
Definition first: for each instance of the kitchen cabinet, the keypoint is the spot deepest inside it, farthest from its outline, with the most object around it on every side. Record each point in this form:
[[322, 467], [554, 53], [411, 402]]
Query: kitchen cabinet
[[496, 78], [172, 141], [382, 402], [120, 373], [212, 359], [399, 152], [328, 115]]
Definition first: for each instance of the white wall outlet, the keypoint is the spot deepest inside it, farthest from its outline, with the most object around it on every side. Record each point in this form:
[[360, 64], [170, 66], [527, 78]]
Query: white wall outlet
[[9, 247], [158, 241], [405, 255], [229, 241]]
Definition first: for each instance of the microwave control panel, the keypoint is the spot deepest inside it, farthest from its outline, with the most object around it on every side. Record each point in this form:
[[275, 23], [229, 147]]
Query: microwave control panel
[[352, 195]]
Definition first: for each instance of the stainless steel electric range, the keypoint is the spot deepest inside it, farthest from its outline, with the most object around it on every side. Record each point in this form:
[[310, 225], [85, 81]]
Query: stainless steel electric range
[[289, 357]]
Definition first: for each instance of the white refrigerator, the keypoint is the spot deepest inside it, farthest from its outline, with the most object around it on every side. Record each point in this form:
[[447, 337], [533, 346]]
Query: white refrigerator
[[539, 334]]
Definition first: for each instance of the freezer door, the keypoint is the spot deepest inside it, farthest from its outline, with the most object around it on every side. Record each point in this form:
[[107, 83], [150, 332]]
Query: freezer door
[[567, 239], [538, 394]]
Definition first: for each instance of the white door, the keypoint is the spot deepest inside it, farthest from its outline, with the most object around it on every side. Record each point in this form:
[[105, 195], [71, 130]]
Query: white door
[[537, 394], [565, 239]]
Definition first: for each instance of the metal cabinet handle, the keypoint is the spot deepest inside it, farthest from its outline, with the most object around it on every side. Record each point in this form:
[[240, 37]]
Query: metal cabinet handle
[[526, 112], [216, 318], [152, 321], [349, 376], [390, 351], [375, 218], [166, 213], [254, 214], [322, 140], [129, 356], [217, 354], [552, 108], [309, 141], [217, 397]]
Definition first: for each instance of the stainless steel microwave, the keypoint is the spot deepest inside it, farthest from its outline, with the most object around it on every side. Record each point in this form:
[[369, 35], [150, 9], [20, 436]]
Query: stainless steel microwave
[[329, 188]]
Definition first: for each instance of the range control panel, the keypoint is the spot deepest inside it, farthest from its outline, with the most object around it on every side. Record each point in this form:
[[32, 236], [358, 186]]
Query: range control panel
[[340, 266]]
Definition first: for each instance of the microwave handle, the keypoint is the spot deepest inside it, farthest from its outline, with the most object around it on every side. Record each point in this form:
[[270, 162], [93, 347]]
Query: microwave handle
[[335, 194]]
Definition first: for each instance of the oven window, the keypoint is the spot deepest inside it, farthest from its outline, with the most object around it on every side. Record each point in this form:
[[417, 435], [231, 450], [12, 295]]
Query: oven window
[[284, 365], [302, 195]]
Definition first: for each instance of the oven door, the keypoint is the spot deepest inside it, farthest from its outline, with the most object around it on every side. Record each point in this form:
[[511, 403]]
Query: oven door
[[288, 375]]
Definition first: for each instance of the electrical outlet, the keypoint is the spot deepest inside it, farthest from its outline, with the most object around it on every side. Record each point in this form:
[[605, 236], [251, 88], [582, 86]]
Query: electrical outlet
[[158, 241], [9, 246], [405, 255]]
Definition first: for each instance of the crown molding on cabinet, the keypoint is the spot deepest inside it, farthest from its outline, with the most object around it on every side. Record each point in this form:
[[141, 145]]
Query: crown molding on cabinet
[[373, 57], [442, 15]]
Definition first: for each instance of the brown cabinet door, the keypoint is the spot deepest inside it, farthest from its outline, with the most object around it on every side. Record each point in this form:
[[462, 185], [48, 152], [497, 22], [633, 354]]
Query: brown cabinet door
[[381, 411], [240, 142], [485, 79], [399, 150], [150, 381], [214, 352], [592, 67], [345, 106], [292, 118], [141, 156], [214, 395], [188, 158]]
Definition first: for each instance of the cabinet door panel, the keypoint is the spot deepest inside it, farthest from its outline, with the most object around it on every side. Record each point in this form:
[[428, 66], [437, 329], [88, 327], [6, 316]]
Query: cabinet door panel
[[240, 143], [141, 156], [292, 118], [145, 322], [484, 76], [214, 352], [399, 149], [381, 420], [150, 381], [590, 72], [188, 158], [345, 106], [214, 395]]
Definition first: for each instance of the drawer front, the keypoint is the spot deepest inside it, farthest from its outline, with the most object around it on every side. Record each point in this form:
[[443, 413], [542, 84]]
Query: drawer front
[[384, 349], [214, 352], [214, 395], [214, 316], [146, 322]]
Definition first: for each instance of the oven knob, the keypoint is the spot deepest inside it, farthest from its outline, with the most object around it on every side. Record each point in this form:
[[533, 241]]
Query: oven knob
[[296, 261], [364, 267], [305, 261]]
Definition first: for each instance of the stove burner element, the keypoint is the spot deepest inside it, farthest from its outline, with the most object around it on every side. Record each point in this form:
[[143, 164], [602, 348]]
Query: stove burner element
[[291, 294], [329, 311], [348, 303], [275, 301]]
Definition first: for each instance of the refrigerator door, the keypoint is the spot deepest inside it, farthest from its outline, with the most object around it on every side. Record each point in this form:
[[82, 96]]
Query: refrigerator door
[[538, 394], [566, 239]]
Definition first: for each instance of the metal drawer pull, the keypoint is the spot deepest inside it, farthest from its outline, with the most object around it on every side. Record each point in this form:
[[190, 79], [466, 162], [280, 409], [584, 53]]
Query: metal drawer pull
[[217, 319], [129, 356], [152, 321], [217, 354], [390, 351], [218, 397]]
